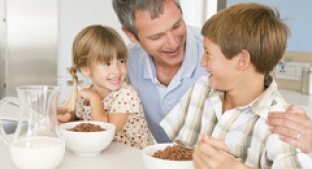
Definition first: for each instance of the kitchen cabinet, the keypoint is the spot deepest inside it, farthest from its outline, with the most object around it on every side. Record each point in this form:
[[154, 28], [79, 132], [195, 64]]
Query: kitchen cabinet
[[28, 37]]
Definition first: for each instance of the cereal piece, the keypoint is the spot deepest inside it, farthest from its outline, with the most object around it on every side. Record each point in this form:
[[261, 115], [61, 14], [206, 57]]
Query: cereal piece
[[86, 127]]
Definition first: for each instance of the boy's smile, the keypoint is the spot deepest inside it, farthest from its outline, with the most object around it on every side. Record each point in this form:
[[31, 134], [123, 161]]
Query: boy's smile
[[220, 69]]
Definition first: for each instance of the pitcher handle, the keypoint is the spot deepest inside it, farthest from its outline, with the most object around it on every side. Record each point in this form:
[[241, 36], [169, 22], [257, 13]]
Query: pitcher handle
[[3, 102]]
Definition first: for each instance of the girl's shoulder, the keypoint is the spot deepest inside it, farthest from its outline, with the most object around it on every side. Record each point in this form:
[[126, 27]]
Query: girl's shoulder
[[125, 90]]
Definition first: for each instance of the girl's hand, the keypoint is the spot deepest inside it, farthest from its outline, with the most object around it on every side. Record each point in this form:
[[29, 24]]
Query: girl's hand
[[93, 99], [88, 95], [64, 116], [210, 153], [294, 127]]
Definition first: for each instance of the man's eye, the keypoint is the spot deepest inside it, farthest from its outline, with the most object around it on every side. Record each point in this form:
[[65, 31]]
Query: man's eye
[[176, 26], [156, 37]]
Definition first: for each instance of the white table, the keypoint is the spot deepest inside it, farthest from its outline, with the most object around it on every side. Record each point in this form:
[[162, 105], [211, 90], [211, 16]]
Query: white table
[[116, 156]]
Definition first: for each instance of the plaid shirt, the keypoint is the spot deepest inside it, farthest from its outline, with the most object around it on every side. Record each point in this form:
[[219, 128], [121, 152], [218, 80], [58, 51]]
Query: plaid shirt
[[243, 128]]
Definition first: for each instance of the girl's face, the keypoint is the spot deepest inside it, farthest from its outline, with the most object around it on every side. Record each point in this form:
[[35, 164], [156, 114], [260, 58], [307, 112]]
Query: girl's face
[[108, 75], [222, 72]]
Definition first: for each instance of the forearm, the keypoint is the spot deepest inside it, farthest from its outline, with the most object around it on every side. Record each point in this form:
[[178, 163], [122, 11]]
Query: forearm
[[97, 110]]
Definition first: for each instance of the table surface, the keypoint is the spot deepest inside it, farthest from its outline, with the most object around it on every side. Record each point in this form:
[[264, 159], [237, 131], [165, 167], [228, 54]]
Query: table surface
[[115, 156], [118, 156]]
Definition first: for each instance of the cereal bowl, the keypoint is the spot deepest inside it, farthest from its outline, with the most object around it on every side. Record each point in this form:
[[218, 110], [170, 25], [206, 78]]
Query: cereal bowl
[[151, 162], [91, 143]]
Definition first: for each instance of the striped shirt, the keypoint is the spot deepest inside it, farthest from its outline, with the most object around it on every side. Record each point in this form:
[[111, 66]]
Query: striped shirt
[[243, 128]]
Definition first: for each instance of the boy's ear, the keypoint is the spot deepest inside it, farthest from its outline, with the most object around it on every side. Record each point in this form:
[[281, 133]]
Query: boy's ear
[[85, 71], [243, 59], [129, 34]]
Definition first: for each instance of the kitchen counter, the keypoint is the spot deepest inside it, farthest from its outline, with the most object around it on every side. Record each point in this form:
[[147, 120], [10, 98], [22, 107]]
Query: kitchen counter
[[116, 156]]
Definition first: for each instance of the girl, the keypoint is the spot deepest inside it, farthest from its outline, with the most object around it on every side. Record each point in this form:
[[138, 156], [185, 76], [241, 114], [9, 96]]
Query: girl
[[100, 54]]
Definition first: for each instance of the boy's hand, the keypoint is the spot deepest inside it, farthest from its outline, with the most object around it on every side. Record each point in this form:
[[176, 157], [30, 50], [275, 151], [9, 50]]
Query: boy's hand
[[294, 127], [212, 153]]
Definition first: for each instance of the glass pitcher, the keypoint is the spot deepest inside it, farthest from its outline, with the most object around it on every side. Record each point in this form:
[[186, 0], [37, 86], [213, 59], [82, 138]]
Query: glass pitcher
[[37, 142]]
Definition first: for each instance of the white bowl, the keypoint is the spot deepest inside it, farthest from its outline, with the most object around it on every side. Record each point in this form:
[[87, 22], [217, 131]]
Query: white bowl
[[87, 143], [151, 162]]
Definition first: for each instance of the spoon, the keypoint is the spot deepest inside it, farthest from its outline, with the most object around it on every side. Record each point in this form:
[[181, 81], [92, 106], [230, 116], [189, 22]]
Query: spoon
[[184, 145]]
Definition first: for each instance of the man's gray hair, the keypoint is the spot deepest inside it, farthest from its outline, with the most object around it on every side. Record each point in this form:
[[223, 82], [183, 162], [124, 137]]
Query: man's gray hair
[[125, 10]]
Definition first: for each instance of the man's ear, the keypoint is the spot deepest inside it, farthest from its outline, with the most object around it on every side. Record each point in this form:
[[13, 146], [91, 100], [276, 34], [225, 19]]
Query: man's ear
[[243, 59], [85, 71], [131, 37]]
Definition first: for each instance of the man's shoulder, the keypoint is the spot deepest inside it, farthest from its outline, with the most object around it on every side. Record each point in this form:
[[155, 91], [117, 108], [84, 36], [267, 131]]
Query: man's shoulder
[[135, 49], [136, 55], [195, 32]]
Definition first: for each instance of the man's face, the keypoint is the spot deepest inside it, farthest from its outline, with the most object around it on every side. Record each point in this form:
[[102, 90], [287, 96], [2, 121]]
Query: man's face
[[163, 37]]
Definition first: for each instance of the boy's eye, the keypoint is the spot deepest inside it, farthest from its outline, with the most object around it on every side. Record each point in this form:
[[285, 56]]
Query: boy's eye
[[106, 64]]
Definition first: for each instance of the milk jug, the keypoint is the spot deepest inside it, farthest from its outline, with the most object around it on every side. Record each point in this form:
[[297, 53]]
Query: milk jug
[[37, 142]]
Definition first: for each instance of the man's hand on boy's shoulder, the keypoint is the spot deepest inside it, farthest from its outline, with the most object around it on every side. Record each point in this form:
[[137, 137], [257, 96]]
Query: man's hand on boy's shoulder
[[294, 127]]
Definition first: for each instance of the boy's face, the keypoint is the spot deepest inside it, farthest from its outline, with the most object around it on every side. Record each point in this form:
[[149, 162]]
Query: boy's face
[[222, 72]]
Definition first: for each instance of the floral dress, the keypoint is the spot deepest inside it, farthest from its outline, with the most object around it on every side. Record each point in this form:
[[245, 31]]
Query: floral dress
[[125, 100]]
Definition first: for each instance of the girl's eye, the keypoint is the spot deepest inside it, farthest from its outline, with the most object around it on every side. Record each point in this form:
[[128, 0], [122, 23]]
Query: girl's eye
[[121, 61]]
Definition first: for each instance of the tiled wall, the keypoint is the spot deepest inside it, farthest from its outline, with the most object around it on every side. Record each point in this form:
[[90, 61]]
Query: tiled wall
[[305, 57]]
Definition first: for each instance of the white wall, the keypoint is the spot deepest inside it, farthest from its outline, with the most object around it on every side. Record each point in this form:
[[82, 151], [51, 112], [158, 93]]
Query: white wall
[[197, 12]]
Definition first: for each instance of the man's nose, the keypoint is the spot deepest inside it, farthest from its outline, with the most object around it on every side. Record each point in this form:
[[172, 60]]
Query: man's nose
[[171, 40]]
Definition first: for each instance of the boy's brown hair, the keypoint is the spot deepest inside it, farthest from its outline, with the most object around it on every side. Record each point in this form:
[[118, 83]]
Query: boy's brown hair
[[254, 27]]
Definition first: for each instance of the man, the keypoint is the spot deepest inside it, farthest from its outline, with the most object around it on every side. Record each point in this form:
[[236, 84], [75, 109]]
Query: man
[[164, 59], [164, 63]]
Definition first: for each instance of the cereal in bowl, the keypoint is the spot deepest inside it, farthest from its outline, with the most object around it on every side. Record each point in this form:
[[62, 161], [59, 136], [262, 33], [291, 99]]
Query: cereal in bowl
[[86, 127], [174, 152]]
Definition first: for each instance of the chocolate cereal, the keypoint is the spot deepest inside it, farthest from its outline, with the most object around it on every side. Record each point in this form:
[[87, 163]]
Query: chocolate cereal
[[175, 152], [86, 127]]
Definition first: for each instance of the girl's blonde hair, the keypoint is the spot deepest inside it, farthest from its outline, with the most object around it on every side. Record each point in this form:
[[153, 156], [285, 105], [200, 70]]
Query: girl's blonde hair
[[93, 44]]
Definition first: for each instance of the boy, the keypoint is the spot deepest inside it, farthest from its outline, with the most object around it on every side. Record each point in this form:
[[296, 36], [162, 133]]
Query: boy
[[242, 45]]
